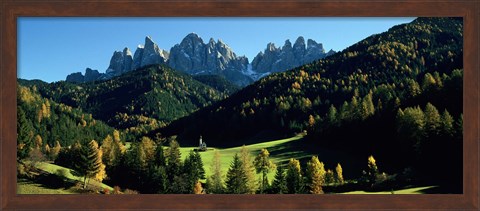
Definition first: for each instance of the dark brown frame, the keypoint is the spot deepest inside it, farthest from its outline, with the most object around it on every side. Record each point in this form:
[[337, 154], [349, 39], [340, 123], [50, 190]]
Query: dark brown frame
[[11, 9]]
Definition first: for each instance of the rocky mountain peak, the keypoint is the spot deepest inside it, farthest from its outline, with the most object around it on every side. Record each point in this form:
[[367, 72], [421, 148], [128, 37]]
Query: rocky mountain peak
[[287, 45], [193, 56], [287, 57], [120, 62], [137, 57], [152, 54], [312, 44], [78, 77], [300, 42], [271, 47]]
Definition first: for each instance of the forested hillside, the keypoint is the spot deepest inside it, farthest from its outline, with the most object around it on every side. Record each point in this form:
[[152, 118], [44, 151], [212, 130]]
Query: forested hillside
[[45, 126], [368, 99], [140, 100]]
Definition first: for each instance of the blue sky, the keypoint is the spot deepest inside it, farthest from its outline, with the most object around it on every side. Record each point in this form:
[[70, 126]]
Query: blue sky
[[51, 48]]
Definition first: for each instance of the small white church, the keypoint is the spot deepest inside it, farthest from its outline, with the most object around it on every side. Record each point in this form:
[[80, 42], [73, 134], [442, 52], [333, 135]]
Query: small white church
[[202, 146]]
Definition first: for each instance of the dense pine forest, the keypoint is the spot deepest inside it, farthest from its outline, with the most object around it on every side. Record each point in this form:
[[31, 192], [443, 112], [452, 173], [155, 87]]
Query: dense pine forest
[[391, 102]]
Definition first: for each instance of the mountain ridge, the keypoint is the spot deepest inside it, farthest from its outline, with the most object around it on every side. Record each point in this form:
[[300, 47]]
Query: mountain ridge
[[192, 55]]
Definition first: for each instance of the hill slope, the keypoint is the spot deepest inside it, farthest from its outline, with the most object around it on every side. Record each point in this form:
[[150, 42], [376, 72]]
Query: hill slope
[[139, 100], [42, 122], [363, 100]]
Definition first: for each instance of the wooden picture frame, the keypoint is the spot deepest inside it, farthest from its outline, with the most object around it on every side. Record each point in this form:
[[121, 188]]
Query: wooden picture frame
[[11, 10]]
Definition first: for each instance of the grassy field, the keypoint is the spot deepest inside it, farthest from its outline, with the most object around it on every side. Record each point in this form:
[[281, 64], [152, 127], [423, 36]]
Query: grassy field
[[280, 151], [50, 184], [415, 190], [29, 187], [55, 169]]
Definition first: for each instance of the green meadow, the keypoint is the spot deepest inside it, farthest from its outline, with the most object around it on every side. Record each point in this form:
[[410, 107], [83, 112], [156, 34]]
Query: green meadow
[[275, 147], [55, 180]]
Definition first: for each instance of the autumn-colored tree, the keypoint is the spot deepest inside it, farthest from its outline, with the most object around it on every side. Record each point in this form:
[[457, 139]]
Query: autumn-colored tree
[[339, 174], [108, 148], [372, 171], [215, 181], [101, 174], [38, 141], [366, 107], [311, 122], [46, 150], [55, 150], [315, 175], [263, 165], [247, 164], [148, 147], [198, 188]]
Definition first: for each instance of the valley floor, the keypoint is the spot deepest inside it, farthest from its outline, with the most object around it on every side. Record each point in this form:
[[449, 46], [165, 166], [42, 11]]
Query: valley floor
[[59, 180]]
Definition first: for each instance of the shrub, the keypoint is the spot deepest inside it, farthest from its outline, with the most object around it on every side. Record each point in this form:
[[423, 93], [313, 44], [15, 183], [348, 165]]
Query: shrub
[[128, 191]]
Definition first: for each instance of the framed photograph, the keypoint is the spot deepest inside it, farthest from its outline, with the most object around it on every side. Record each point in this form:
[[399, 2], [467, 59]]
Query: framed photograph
[[239, 105]]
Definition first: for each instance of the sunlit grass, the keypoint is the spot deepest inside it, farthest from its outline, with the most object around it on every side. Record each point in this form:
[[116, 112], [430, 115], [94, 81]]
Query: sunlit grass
[[28, 187], [416, 190], [55, 169], [226, 154]]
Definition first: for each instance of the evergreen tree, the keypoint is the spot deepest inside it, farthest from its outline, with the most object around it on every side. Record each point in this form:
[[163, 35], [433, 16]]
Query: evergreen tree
[[279, 184], [237, 177], [411, 126], [89, 163], [447, 124], [413, 88], [157, 176], [24, 134], [344, 111], [329, 177], [294, 177], [159, 179], [332, 116], [263, 165], [459, 131], [432, 120], [193, 169], [429, 83], [174, 163], [160, 159]]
